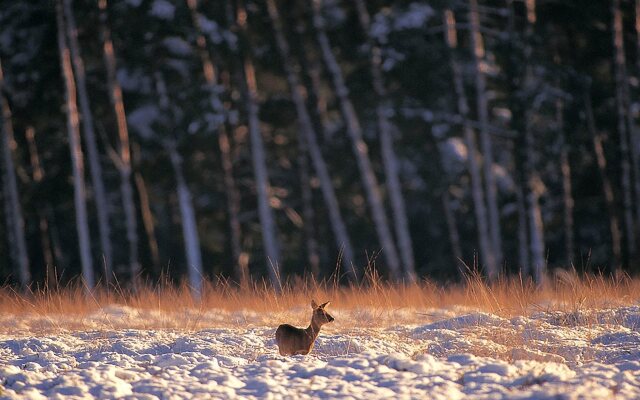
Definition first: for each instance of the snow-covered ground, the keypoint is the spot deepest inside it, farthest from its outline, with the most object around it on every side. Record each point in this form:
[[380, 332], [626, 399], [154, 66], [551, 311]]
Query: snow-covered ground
[[435, 354]]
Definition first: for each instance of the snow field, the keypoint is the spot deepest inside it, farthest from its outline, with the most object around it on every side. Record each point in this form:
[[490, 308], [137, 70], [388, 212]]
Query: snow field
[[449, 355]]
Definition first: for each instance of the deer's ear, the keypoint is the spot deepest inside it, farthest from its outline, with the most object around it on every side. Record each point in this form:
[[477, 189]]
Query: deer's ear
[[314, 305], [325, 304]]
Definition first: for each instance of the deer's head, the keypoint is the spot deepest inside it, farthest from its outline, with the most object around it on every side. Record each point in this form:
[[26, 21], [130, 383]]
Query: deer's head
[[320, 315]]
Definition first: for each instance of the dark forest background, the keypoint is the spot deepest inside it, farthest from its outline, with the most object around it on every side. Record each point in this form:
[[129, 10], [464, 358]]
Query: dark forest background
[[267, 139]]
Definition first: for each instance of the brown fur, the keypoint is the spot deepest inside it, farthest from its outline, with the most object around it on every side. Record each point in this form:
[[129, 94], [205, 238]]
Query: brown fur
[[294, 341]]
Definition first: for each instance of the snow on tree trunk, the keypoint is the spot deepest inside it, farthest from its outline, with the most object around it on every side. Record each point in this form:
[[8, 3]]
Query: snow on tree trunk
[[93, 155], [607, 187], [124, 164], [309, 138], [224, 145], [263, 188], [623, 132], [389, 156], [77, 158], [15, 219], [485, 137], [486, 250], [360, 148]]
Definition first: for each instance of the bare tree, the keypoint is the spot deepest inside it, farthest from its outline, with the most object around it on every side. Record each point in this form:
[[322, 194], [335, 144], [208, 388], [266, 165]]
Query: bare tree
[[185, 203], [309, 138], [77, 157], [485, 137], [486, 250], [625, 126], [15, 219], [263, 188], [224, 145], [567, 196], [89, 136], [359, 146], [389, 156], [454, 234], [145, 210], [123, 159], [607, 187]]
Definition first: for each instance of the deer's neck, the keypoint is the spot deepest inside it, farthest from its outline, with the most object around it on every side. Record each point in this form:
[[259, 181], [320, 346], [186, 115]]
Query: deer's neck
[[312, 331]]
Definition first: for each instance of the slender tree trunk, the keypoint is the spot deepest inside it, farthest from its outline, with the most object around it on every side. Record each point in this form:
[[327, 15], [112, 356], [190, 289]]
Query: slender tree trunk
[[145, 210], [389, 156], [185, 203], [607, 187], [486, 250], [43, 225], [567, 196], [15, 219], [360, 148], [307, 209], [93, 155], [626, 136], [309, 138], [77, 158], [454, 234], [231, 191], [124, 165], [485, 138], [523, 237], [263, 188]]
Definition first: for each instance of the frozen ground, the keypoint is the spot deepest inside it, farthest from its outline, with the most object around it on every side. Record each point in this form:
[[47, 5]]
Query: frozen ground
[[440, 354]]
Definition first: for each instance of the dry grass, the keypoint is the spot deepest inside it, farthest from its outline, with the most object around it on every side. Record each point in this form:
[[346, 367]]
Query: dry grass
[[508, 296]]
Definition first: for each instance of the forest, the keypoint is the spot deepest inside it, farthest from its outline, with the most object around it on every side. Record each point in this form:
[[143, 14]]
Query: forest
[[266, 140]]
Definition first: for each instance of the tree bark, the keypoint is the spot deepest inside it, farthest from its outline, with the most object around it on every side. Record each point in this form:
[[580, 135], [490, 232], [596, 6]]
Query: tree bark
[[93, 155], [454, 234], [389, 156], [486, 250], [607, 187], [485, 137], [124, 164], [208, 66], [15, 219], [263, 188], [360, 148], [624, 130], [77, 157]]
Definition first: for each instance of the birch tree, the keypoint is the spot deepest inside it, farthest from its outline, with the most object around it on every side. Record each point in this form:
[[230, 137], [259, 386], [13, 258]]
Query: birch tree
[[482, 104], [389, 156], [625, 124], [486, 250], [95, 169], [77, 157], [309, 137], [224, 145], [249, 87], [123, 159], [185, 203], [14, 216], [360, 148]]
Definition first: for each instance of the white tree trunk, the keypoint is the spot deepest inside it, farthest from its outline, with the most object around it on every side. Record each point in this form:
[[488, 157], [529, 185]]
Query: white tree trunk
[[486, 250], [224, 145], [389, 157], [360, 148], [607, 187], [93, 155], [309, 137], [15, 219], [485, 137], [625, 124], [124, 166], [263, 188], [77, 158]]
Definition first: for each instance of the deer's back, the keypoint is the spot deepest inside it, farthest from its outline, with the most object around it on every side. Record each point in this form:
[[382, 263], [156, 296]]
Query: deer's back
[[292, 340]]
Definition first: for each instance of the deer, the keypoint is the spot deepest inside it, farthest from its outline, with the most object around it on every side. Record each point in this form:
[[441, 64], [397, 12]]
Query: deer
[[298, 341]]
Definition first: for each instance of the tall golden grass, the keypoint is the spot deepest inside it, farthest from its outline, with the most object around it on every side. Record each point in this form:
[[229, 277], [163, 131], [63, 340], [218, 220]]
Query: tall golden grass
[[507, 296]]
